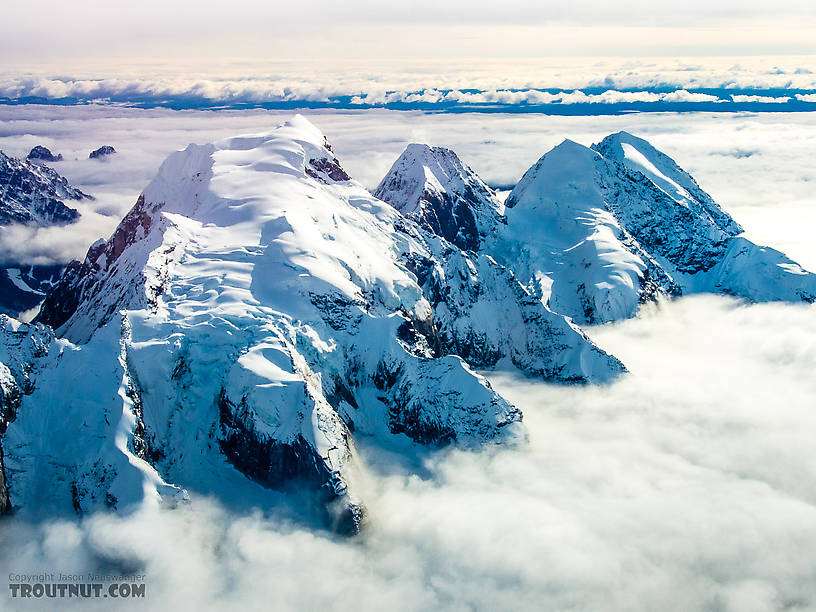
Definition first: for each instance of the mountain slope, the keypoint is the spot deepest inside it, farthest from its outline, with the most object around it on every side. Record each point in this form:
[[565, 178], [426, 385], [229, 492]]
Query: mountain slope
[[638, 155], [695, 240], [601, 231], [566, 239], [257, 309], [594, 233]]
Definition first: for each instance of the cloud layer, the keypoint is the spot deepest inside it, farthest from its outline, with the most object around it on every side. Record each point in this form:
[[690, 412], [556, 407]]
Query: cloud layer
[[602, 86], [758, 166], [687, 485]]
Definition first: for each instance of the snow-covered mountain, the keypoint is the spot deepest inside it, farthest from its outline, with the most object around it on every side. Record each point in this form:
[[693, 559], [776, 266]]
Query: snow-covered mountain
[[33, 194], [432, 186], [595, 232], [695, 241], [254, 312], [257, 311]]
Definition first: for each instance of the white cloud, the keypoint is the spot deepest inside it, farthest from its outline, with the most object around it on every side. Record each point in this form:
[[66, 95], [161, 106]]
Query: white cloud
[[688, 485], [763, 99], [681, 95], [390, 80], [110, 30], [756, 165]]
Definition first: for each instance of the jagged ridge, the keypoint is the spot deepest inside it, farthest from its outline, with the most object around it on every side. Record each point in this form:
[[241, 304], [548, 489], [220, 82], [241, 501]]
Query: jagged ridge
[[595, 233]]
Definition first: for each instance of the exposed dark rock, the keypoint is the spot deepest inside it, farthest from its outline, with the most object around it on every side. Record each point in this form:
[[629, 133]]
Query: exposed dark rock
[[431, 186], [40, 153], [101, 152], [323, 167], [81, 280], [450, 217], [276, 465], [5, 502]]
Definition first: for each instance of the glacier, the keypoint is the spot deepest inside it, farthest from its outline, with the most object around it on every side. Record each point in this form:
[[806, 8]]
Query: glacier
[[253, 313]]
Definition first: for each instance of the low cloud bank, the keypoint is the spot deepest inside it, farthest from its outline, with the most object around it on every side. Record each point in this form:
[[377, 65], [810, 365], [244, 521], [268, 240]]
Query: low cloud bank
[[758, 166], [689, 484], [598, 86]]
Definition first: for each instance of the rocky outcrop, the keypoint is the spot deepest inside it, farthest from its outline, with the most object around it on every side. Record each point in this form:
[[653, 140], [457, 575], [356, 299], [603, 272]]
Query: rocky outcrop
[[101, 283], [41, 153], [102, 152], [5, 502], [486, 316]]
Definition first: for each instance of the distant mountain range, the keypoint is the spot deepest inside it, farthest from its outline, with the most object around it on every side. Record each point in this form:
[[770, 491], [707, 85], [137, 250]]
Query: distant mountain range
[[258, 310]]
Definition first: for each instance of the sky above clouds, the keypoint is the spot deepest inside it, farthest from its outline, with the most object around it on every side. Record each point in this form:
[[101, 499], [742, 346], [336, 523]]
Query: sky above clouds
[[70, 34]]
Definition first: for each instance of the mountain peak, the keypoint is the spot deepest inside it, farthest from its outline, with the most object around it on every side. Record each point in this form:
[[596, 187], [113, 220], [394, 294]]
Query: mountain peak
[[569, 163], [433, 187], [640, 156], [41, 153]]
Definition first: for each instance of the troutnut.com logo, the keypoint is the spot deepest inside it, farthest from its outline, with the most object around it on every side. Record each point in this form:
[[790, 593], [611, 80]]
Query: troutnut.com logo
[[57, 585]]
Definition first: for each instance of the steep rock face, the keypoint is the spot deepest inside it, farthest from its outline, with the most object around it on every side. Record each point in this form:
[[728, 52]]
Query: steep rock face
[[41, 153], [33, 193], [693, 238], [91, 292], [431, 186], [5, 502], [638, 155], [483, 314], [268, 309]]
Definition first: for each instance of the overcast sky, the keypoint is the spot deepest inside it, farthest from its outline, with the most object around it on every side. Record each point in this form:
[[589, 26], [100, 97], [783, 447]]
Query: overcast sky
[[63, 35]]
